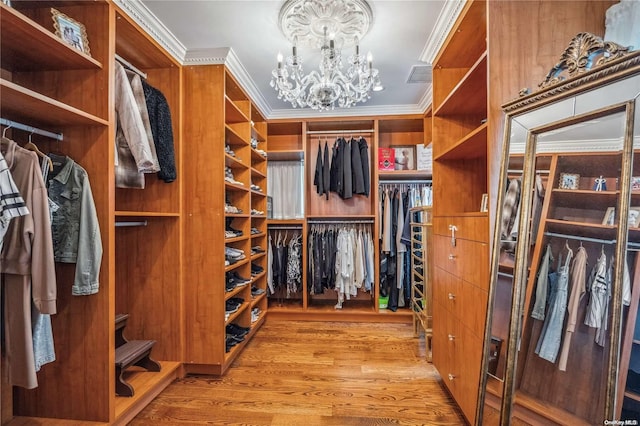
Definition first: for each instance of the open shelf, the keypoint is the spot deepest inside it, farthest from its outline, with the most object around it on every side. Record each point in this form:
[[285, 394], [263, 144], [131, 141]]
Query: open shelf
[[18, 102], [46, 50]]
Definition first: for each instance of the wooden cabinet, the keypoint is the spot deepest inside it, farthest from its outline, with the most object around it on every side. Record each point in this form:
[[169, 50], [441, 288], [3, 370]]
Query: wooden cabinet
[[223, 165], [460, 178], [48, 84]]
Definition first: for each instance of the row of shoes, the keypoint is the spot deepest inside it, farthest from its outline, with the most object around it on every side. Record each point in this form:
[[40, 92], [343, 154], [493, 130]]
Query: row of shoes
[[228, 150], [228, 176], [232, 305], [235, 334], [261, 152], [233, 254], [233, 280], [256, 212], [256, 187], [255, 314]]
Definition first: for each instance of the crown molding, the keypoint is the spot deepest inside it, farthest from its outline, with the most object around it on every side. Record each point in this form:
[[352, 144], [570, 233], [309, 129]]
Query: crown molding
[[360, 111], [137, 11], [444, 24], [207, 56]]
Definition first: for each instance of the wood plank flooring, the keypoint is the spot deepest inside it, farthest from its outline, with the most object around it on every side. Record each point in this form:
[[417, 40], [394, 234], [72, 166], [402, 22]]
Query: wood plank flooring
[[303, 373]]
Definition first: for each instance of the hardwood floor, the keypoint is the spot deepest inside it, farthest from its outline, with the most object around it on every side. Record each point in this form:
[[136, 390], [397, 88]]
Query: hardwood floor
[[304, 373]]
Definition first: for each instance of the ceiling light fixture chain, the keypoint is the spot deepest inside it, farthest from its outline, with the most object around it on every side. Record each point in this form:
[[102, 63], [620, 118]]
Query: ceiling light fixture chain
[[328, 25]]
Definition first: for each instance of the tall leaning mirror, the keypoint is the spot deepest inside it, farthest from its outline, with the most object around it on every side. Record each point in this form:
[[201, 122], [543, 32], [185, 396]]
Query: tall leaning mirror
[[560, 340]]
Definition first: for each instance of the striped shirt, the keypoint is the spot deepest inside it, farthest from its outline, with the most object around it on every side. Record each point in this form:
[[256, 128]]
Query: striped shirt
[[11, 202]]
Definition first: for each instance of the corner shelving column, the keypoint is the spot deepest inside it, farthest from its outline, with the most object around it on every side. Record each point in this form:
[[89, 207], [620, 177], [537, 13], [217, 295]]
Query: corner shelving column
[[148, 259], [218, 197], [40, 84], [461, 230]]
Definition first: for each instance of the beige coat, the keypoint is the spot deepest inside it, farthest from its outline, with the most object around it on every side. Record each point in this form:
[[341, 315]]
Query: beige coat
[[28, 246]]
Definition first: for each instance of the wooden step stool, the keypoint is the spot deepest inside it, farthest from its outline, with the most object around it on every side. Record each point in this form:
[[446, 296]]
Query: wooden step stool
[[130, 353]]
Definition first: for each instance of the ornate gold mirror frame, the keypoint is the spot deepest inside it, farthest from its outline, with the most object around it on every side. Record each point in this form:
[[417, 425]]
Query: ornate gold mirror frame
[[589, 65]]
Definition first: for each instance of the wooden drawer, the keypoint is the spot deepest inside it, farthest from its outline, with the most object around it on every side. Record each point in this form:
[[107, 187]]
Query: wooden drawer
[[464, 301], [475, 228], [445, 347], [467, 259]]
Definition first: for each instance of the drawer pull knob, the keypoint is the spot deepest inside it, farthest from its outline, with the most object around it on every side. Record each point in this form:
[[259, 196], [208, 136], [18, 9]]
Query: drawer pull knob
[[451, 337], [451, 376], [452, 257], [452, 296], [453, 230]]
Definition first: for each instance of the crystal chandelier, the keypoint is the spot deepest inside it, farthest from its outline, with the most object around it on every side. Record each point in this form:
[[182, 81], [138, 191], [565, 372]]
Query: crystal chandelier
[[329, 25]]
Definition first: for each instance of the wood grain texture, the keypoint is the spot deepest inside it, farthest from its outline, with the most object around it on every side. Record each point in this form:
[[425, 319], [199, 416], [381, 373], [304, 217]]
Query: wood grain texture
[[316, 373]]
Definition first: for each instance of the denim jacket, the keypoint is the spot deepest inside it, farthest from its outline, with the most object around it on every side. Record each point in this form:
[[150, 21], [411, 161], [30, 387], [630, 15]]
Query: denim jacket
[[75, 229]]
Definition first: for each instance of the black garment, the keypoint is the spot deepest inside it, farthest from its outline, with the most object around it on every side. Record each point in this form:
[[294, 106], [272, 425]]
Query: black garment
[[337, 168], [162, 131], [347, 186], [326, 173], [364, 158], [356, 168], [318, 178]]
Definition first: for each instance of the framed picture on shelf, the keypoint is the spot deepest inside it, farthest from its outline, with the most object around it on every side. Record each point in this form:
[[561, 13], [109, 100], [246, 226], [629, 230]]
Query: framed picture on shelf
[[405, 157], [70, 31], [569, 181], [609, 216], [635, 183]]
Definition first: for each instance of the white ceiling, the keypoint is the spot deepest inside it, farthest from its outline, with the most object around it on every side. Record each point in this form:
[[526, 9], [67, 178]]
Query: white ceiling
[[245, 35]]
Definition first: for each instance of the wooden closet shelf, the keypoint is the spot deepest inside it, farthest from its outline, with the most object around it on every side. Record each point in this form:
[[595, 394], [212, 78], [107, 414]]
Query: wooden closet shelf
[[473, 145], [22, 104], [39, 49]]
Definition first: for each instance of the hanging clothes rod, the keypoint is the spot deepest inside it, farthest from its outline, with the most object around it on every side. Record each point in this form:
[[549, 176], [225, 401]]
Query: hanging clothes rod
[[124, 224], [284, 227], [405, 182], [338, 132], [30, 129], [339, 222], [575, 237], [131, 67]]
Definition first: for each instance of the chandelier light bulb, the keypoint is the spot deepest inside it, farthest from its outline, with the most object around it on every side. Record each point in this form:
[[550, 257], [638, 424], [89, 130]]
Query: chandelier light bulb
[[279, 57]]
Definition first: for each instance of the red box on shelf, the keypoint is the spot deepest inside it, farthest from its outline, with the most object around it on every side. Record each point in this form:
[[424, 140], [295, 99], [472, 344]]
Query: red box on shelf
[[386, 159]]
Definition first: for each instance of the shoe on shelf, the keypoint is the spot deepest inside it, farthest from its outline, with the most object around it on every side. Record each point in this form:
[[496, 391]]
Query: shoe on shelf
[[255, 269], [255, 291], [257, 249], [237, 330], [255, 231], [238, 279]]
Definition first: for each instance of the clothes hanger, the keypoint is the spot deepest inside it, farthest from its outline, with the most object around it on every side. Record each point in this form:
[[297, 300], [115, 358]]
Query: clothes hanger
[[4, 132], [32, 147]]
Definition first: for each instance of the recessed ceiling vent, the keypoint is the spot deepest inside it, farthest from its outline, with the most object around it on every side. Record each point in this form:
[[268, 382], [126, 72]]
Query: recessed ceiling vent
[[420, 74]]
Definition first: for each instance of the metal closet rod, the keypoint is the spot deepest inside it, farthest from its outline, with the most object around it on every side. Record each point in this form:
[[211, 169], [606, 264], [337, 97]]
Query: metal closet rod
[[279, 227], [592, 240], [123, 224], [315, 222], [30, 129], [405, 182], [131, 67], [338, 132]]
